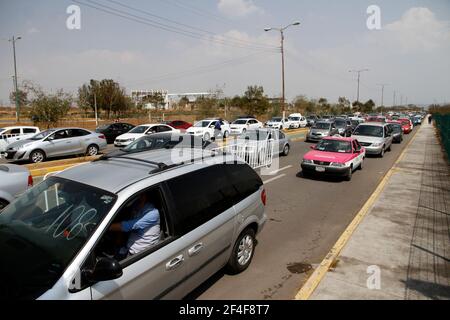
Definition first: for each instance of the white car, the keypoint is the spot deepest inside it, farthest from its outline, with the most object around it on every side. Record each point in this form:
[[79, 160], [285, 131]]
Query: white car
[[278, 123], [297, 121], [205, 129], [243, 125], [9, 135], [14, 180], [141, 131]]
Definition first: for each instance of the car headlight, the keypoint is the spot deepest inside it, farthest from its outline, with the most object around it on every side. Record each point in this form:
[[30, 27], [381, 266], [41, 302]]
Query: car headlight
[[131, 139], [378, 144], [308, 161], [338, 165]]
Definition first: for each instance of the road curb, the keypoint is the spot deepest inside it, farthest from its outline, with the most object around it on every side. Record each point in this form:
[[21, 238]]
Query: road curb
[[317, 276]]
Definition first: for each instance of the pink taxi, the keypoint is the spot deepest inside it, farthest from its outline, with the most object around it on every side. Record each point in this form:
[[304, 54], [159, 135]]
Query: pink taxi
[[334, 156]]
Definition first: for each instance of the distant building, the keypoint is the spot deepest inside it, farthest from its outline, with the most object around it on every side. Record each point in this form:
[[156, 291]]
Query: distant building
[[169, 99]]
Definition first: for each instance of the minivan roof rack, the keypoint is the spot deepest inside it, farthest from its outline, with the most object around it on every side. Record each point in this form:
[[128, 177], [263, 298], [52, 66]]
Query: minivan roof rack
[[160, 166]]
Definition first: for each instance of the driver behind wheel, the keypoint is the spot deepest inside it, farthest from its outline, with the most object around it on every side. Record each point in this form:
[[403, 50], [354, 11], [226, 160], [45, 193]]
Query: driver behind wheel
[[143, 228]]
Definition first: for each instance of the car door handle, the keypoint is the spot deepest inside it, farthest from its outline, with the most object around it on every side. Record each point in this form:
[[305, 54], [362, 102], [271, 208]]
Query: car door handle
[[195, 249], [175, 263]]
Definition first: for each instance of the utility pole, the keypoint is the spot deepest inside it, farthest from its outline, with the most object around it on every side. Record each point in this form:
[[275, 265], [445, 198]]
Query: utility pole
[[382, 92], [283, 97], [13, 40], [359, 79]]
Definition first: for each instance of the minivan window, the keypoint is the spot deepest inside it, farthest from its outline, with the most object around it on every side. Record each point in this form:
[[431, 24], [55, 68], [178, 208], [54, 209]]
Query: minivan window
[[43, 230], [200, 196], [244, 179], [369, 131]]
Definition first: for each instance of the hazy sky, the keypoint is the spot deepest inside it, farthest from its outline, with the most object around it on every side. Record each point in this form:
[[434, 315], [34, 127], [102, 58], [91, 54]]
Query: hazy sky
[[410, 53]]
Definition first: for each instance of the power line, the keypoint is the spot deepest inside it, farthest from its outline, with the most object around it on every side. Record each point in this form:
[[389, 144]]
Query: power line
[[197, 11], [190, 27], [199, 70], [148, 22]]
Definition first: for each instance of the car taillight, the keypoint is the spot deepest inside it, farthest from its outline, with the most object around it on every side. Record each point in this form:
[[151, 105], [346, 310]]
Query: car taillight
[[30, 181], [102, 136], [264, 197]]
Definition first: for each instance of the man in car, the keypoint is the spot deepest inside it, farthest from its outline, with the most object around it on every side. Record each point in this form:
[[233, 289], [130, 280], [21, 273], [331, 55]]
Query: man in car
[[143, 228]]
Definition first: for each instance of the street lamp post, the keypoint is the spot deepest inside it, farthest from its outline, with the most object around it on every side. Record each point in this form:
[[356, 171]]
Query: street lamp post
[[382, 85], [359, 77], [281, 30], [13, 40]]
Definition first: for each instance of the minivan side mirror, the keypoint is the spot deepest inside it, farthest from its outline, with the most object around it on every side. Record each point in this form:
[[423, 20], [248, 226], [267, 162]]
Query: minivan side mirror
[[105, 269]]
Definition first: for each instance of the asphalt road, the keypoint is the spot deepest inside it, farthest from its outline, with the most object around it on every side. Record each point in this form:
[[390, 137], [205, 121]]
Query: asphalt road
[[307, 216]]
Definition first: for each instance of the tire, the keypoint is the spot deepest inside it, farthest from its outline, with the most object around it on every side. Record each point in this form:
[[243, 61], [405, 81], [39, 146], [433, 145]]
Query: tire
[[244, 131], [382, 152], [286, 150], [390, 148], [37, 156], [92, 150], [226, 134], [207, 136], [243, 252], [3, 204], [361, 165], [350, 174]]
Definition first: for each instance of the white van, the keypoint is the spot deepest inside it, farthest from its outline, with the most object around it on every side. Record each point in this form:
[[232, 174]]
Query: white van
[[297, 121], [9, 135]]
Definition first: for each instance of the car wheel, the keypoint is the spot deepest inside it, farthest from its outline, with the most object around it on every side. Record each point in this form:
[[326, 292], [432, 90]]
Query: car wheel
[[244, 131], [206, 137], [92, 150], [361, 165], [37, 156], [390, 148], [382, 152], [350, 174], [226, 134], [242, 253], [286, 150], [3, 204]]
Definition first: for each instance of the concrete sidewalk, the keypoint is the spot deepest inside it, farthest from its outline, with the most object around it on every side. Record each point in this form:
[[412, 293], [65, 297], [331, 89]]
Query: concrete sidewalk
[[405, 235]]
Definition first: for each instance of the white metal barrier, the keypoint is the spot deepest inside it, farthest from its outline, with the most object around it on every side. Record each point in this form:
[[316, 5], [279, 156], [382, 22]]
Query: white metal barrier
[[257, 154]]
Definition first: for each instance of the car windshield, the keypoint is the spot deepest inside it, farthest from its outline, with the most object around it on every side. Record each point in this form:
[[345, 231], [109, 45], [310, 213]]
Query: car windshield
[[103, 127], [369, 131], [334, 146], [276, 120], [294, 118], [166, 141], [43, 230], [139, 129], [240, 122], [202, 124], [322, 126], [340, 123], [42, 135]]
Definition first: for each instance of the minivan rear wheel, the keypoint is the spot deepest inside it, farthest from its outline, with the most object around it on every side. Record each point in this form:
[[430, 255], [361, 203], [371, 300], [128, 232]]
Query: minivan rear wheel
[[243, 251]]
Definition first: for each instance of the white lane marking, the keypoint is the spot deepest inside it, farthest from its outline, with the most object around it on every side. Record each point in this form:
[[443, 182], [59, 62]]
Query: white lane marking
[[282, 169], [274, 178]]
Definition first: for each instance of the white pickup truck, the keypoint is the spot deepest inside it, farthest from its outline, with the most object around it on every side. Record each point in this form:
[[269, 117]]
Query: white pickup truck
[[9, 135]]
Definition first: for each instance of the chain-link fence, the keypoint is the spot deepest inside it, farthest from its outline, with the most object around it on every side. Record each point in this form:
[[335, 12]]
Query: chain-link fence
[[443, 124]]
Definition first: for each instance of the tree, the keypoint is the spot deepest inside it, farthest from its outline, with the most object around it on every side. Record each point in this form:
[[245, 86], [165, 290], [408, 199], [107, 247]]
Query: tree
[[156, 99], [111, 98], [206, 106], [303, 105], [184, 102], [368, 106], [47, 108], [324, 106], [344, 105], [22, 97], [254, 102]]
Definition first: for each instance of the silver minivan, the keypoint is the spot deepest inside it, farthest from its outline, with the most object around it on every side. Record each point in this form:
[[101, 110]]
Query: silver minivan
[[375, 137], [57, 239]]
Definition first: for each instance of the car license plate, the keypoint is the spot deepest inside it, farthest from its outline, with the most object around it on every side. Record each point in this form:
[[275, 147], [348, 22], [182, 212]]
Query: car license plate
[[320, 169]]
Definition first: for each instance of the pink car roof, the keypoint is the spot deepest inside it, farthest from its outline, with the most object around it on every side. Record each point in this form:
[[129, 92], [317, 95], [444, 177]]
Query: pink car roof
[[349, 139]]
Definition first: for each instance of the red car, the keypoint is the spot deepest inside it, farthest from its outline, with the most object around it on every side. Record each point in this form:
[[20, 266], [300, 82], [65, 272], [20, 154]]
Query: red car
[[406, 125], [179, 124]]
